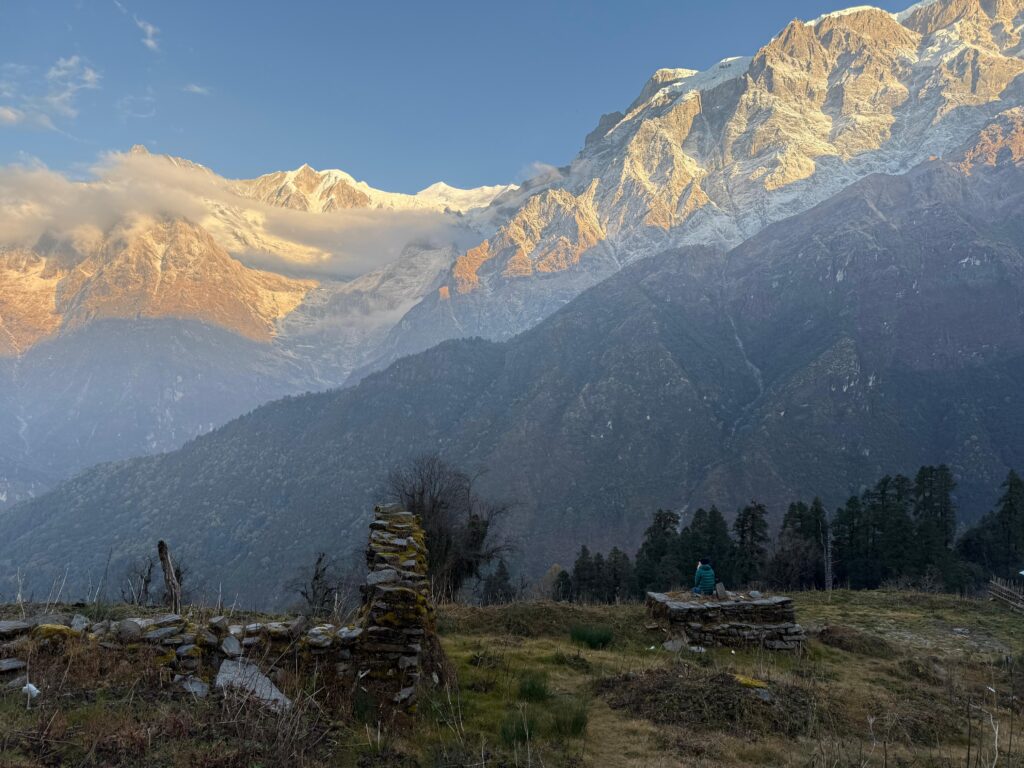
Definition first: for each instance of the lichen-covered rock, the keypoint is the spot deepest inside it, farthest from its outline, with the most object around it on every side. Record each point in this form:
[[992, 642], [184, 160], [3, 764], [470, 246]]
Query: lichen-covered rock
[[53, 632]]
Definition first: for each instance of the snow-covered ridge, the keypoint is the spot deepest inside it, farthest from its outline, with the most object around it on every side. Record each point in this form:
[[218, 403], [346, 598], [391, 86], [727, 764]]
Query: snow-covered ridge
[[308, 189]]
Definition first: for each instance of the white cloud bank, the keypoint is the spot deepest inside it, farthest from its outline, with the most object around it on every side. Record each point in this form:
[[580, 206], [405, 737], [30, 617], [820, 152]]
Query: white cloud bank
[[125, 188]]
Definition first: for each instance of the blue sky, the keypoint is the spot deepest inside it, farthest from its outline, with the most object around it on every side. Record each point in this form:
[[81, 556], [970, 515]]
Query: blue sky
[[399, 94]]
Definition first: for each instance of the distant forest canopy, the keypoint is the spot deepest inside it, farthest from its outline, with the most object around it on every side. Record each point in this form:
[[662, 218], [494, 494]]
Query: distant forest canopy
[[899, 532]]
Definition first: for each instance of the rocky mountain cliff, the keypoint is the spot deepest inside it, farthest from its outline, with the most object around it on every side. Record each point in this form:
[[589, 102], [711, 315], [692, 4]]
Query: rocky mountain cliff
[[712, 157], [877, 331], [190, 287]]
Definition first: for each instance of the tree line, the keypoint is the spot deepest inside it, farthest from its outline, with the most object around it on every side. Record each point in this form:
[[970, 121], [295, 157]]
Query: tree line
[[900, 531]]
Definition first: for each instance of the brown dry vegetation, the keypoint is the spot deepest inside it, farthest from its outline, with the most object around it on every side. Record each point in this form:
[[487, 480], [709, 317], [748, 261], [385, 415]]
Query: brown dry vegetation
[[889, 678]]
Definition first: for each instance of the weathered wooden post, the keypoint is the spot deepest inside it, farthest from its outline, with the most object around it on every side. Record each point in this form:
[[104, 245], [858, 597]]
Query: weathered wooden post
[[170, 578]]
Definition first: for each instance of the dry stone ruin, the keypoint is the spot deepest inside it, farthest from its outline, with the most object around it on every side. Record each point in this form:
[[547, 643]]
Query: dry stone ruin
[[734, 621], [385, 657]]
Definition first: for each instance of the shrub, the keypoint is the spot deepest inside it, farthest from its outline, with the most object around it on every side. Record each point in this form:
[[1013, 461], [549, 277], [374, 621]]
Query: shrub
[[533, 686], [590, 635], [569, 719]]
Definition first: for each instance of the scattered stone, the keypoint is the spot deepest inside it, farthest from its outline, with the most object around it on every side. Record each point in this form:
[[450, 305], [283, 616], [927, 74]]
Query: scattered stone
[[219, 624], [188, 650], [11, 665], [230, 647], [206, 638], [166, 620], [754, 594], [159, 635], [9, 629], [247, 678], [129, 630], [192, 684], [404, 695], [79, 623], [278, 630], [17, 683], [674, 646]]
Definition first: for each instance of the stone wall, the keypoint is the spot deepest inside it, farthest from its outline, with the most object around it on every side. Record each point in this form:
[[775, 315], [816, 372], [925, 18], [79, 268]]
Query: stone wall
[[389, 652], [740, 621], [398, 644]]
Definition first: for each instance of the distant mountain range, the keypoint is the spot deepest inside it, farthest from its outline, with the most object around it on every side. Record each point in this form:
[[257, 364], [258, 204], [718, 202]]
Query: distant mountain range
[[880, 330], [782, 276]]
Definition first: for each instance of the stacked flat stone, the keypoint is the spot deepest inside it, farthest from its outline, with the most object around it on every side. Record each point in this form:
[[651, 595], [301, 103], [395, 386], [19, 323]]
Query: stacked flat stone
[[767, 622], [397, 618]]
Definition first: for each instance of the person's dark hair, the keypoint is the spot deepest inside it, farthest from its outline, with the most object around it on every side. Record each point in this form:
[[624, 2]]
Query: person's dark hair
[[705, 561]]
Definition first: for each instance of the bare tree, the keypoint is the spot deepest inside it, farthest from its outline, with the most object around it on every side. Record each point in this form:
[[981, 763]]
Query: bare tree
[[138, 578], [318, 589], [459, 525]]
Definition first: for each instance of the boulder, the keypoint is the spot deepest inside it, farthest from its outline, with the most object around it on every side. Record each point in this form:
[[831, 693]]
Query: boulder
[[129, 630], [246, 678], [11, 665]]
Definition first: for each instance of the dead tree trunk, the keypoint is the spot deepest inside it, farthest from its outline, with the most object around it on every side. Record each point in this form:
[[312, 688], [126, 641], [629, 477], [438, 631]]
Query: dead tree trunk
[[170, 578]]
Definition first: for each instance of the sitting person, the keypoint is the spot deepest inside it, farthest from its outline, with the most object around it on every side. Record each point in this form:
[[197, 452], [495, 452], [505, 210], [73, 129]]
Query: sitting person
[[704, 578]]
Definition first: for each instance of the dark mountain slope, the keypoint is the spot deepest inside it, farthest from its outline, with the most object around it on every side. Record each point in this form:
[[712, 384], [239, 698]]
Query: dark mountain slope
[[876, 332]]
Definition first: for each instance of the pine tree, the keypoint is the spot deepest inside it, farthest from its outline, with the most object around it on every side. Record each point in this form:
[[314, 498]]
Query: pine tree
[[561, 591], [497, 586], [709, 537], [751, 531], [851, 536], [799, 559], [601, 589], [996, 544], [656, 567], [584, 576], [621, 576], [935, 524]]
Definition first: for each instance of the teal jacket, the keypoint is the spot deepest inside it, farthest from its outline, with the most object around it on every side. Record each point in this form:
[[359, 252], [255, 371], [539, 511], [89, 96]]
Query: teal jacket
[[704, 579]]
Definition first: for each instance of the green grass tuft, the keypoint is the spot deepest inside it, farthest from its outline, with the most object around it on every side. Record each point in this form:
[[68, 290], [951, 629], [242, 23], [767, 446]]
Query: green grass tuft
[[593, 636], [519, 726], [569, 718], [533, 686]]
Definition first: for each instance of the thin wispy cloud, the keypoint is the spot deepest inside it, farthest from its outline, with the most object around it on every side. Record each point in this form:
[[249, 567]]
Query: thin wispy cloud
[[150, 31], [37, 100], [139, 107], [11, 116], [199, 90]]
